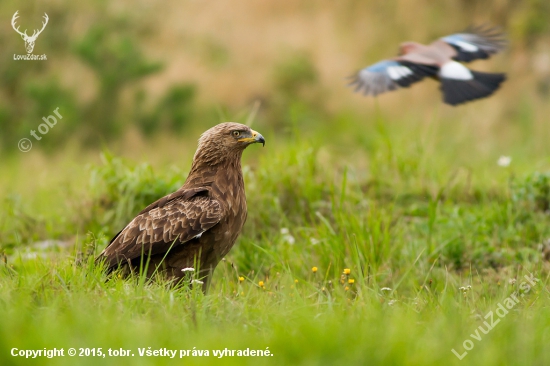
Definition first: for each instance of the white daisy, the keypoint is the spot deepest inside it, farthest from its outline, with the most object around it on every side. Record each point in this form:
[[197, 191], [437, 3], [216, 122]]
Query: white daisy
[[504, 161]]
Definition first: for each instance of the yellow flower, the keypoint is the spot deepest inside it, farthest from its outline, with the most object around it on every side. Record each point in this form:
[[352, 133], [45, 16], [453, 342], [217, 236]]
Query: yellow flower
[[295, 281], [241, 279], [261, 283], [314, 269], [347, 271], [346, 288], [351, 281]]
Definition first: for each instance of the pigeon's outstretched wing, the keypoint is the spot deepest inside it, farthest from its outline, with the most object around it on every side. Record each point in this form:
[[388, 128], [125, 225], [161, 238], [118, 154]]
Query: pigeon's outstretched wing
[[391, 74], [168, 222], [475, 43]]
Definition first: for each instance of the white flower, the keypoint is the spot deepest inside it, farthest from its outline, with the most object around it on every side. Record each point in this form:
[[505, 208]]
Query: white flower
[[504, 161], [391, 302], [286, 236], [385, 289], [313, 241], [197, 281], [188, 269]]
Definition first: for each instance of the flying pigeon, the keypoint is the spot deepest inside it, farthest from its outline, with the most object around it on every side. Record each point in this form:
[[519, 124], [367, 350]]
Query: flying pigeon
[[438, 60]]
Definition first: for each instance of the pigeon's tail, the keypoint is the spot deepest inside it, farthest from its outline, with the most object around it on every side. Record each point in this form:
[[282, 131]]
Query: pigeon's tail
[[479, 85]]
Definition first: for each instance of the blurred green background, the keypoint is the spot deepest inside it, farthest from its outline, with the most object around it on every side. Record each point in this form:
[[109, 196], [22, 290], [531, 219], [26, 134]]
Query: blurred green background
[[118, 68], [402, 189]]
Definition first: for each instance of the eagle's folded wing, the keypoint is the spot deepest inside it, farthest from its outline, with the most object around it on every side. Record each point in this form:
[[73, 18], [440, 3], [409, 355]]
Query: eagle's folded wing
[[170, 221]]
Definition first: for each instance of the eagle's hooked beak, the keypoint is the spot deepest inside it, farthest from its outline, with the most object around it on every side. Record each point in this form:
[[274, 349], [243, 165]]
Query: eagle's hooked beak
[[256, 137]]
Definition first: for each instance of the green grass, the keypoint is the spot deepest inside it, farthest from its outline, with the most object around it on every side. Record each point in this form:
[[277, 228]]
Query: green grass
[[402, 190], [374, 198]]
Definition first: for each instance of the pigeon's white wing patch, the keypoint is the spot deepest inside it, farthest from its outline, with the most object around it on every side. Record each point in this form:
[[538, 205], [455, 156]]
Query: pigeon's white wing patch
[[464, 42], [454, 70], [398, 72], [390, 75], [465, 46]]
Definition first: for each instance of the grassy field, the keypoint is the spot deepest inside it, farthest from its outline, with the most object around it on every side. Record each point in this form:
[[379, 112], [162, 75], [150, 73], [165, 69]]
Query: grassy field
[[388, 231], [433, 244]]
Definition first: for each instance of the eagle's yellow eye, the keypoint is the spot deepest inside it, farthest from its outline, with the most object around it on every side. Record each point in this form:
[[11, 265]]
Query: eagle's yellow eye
[[236, 133]]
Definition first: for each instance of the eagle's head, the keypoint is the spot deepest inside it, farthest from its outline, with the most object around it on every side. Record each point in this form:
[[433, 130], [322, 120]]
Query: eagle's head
[[226, 140]]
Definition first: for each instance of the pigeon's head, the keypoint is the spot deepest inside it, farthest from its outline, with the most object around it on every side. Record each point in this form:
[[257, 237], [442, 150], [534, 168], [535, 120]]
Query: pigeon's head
[[407, 47]]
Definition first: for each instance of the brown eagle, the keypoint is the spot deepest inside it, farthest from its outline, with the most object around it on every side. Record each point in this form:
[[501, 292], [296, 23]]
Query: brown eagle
[[199, 223]]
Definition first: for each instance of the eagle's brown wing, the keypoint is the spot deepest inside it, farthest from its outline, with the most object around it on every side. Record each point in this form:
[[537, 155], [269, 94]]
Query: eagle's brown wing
[[168, 222]]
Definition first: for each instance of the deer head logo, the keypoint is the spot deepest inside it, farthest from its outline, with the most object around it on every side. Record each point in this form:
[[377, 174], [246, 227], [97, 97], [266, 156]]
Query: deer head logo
[[29, 40]]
